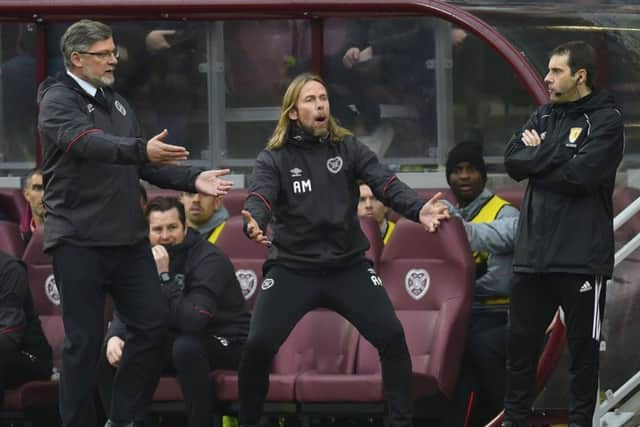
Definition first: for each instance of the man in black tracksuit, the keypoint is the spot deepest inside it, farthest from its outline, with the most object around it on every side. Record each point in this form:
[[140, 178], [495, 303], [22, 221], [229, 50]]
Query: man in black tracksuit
[[25, 354], [95, 230], [208, 320], [569, 150], [306, 183]]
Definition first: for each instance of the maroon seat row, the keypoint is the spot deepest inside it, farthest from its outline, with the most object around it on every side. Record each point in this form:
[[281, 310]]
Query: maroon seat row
[[326, 365]]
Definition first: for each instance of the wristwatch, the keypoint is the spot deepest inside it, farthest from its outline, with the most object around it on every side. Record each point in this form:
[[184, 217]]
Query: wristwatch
[[164, 277]]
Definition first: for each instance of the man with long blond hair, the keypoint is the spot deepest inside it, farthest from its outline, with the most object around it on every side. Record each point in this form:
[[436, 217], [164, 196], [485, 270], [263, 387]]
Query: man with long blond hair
[[306, 180]]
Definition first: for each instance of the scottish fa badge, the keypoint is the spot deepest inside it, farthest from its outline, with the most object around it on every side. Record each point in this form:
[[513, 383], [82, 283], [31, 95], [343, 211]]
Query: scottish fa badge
[[574, 134]]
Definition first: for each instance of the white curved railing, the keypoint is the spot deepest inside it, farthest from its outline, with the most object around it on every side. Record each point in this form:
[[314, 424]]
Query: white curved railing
[[606, 413]]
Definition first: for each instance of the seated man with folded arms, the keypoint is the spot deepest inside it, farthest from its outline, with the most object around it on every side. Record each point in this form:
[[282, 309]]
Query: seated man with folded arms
[[25, 354], [369, 205], [208, 320], [206, 214], [490, 222]]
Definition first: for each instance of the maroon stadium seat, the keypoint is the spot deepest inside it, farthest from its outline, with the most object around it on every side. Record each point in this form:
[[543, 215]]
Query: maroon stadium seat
[[13, 204], [40, 394], [512, 194], [234, 200], [10, 240], [41, 281], [622, 197], [152, 193], [246, 255], [429, 278], [371, 229], [322, 342]]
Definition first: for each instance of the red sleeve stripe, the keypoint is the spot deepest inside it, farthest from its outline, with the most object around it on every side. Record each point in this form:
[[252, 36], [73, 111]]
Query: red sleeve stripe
[[204, 313], [386, 186], [12, 329], [261, 197], [74, 140]]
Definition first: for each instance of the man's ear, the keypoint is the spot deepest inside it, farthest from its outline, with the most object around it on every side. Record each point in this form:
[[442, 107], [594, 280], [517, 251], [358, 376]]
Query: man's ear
[[76, 59], [293, 114]]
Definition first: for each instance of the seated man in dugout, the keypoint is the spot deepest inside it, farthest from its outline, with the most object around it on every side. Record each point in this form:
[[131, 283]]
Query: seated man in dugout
[[491, 223], [206, 214], [208, 320], [33, 191], [25, 354], [370, 206]]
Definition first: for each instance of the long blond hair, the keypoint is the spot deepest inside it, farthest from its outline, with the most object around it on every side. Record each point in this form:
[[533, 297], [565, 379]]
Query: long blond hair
[[278, 139]]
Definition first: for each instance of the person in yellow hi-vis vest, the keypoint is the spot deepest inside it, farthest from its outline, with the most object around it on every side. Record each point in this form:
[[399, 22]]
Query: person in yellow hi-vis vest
[[490, 222], [369, 205], [206, 214]]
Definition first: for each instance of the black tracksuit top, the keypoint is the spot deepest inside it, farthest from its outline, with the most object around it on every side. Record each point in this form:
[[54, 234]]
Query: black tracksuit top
[[566, 220], [94, 155], [211, 301], [309, 191]]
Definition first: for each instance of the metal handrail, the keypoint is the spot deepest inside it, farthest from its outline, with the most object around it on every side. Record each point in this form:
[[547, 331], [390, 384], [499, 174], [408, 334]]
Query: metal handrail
[[613, 398]]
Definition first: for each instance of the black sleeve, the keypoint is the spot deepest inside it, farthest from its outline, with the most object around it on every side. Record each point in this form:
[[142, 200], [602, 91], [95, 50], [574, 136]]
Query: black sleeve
[[116, 328], [595, 162], [190, 311], [521, 161], [13, 291], [68, 126], [176, 177], [264, 186], [385, 184]]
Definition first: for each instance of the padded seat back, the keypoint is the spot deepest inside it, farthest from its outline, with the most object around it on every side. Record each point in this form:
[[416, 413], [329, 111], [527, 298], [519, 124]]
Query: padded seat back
[[430, 278], [246, 255], [10, 240], [322, 342]]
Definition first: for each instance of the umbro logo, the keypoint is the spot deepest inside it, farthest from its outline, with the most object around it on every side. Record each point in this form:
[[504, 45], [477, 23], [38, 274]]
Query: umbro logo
[[586, 287], [296, 172]]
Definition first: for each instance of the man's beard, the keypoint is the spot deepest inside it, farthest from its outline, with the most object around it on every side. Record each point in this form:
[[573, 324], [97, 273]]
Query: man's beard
[[105, 80], [320, 132]]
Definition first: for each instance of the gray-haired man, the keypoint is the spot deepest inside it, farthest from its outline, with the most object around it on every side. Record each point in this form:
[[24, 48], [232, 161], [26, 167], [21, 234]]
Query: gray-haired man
[[94, 156]]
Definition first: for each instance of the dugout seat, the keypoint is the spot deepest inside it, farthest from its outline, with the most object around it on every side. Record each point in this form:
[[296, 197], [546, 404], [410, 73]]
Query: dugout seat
[[429, 279], [10, 240], [37, 395], [246, 255]]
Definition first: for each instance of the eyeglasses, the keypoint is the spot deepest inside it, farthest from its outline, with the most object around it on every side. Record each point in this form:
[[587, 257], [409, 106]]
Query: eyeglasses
[[104, 54]]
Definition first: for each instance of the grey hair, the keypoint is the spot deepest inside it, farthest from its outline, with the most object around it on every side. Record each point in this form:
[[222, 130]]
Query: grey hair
[[80, 36]]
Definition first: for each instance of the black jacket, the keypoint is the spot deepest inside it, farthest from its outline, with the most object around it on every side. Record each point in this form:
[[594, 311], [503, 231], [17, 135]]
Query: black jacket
[[203, 293], [20, 328], [93, 157], [310, 189], [566, 217]]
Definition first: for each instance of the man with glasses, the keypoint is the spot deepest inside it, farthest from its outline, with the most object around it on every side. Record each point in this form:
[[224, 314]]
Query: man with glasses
[[96, 232]]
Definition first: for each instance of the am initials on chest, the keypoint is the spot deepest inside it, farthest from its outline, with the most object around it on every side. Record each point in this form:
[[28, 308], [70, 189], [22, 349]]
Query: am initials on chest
[[302, 186]]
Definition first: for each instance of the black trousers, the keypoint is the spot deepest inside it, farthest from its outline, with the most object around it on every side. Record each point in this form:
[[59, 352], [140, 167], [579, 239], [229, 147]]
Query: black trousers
[[83, 276], [353, 294], [18, 367], [534, 300], [483, 369], [190, 358]]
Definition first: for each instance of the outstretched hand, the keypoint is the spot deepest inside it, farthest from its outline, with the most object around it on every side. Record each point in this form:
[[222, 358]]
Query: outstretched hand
[[159, 152], [433, 212], [208, 182], [254, 231]]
